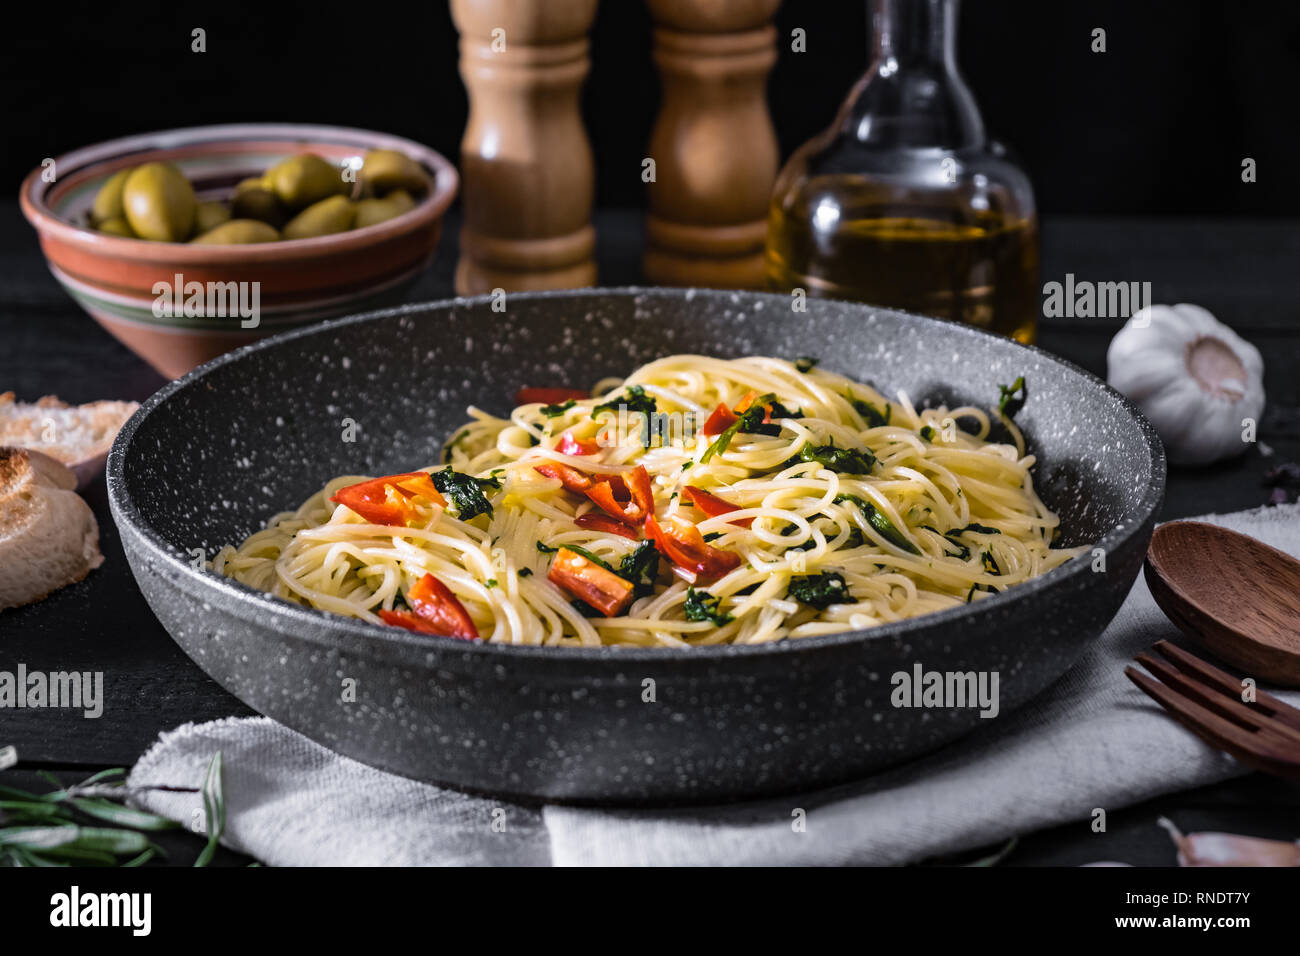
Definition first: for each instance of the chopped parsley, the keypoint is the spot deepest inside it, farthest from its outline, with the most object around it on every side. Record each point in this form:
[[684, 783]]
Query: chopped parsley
[[820, 590], [870, 414], [551, 411], [990, 563], [1013, 397], [634, 399], [465, 492], [880, 524], [703, 606], [845, 461], [988, 588], [525, 572], [491, 582], [585, 609], [927, 433], [546, 548], [641, 567], [780, 411], [806, 363]]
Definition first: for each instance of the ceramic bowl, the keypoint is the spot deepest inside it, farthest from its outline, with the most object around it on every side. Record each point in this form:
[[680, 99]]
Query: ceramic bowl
[[299, 281], [210, 458]]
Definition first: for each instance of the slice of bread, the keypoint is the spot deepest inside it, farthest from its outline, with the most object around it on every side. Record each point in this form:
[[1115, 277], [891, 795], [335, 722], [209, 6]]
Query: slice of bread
[[77, 435], [48, 535]]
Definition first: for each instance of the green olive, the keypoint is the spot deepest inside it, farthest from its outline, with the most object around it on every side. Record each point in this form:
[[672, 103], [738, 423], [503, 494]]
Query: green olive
[[371, 211], [253, 200], [116, 227], [209, 215], [237, 232], [387, 169], [108, 201], [305, 179], [159, 202], [322, 219]]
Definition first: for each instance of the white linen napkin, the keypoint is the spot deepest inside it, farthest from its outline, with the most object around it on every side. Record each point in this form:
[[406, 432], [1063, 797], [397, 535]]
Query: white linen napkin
[[1090, 741]]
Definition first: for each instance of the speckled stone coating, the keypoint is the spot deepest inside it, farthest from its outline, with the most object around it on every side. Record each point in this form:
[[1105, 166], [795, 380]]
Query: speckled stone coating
[[210, 457]]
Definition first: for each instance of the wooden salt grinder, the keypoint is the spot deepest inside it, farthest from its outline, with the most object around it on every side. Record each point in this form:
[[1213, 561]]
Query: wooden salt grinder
[[526, 162], [715, 151]]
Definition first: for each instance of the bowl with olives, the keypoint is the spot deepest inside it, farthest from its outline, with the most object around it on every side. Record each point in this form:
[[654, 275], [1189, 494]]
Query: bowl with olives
[[187, 243]]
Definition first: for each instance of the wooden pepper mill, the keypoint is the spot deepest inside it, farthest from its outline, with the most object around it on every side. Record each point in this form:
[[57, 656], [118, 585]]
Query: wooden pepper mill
[[714, 147], [526, 162]]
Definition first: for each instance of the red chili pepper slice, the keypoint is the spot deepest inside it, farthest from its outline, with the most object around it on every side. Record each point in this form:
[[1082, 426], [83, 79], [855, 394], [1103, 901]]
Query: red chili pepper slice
[[577, 446], [639, 503], [571, 478], [549, 396], [433, 601], [435, 611], [602, 589], [685, 547], [387, 500], [719, 421], [593, 521], [713, 506]]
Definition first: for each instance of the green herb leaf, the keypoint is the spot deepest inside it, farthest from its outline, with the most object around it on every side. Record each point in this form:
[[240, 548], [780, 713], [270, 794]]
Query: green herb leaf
[[990, 563], [552, 411], [465, 492], [988, 588], [881, 524], [703, 606], [546, 548], [806, 363], [641, 567], [525, 572], [122, 816], [870, 414], [927, 433], [1013, 397], [845, 461], [820, 590], [214, 810], [634, 399]]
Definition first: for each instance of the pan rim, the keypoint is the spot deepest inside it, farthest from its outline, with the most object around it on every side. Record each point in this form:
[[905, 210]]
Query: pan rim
[[333, 631]]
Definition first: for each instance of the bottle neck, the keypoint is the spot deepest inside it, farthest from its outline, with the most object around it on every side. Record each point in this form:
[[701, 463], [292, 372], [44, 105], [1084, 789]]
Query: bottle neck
[[914, 33], [913, 97]]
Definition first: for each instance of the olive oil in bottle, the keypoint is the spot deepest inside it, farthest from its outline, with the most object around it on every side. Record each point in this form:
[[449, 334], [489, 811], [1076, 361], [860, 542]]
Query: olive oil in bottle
[[903, 202], [846, 237]]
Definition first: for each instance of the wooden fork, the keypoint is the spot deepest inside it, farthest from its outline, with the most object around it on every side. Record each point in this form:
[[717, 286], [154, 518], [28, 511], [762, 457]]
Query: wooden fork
[[1207, 701]]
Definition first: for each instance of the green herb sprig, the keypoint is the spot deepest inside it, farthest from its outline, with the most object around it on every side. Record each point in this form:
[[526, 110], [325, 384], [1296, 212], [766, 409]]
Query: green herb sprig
[[51, 830]]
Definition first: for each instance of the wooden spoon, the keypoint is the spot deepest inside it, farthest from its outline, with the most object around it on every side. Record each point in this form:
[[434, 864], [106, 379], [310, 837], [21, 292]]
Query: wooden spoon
[[1235, 596]]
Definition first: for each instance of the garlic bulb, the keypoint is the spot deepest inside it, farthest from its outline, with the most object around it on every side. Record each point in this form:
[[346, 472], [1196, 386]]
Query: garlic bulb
[[1200, 384]]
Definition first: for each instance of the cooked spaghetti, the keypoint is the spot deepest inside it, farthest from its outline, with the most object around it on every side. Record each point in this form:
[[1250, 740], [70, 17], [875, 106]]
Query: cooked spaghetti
[[699, 501]]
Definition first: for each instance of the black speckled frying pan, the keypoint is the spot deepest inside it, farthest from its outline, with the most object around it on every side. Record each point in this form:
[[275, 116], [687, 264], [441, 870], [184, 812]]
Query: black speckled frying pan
[[210, 457]]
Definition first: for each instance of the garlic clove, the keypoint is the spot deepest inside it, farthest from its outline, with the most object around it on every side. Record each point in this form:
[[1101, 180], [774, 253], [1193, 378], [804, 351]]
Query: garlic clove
[[1197, 381], [1229, 849]]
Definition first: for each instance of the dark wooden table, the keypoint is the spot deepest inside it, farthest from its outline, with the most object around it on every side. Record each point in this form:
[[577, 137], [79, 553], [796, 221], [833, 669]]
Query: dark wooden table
[[1247, 273]]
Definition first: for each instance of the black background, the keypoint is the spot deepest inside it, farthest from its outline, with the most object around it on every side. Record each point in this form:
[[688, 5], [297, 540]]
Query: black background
[[1159, 124]]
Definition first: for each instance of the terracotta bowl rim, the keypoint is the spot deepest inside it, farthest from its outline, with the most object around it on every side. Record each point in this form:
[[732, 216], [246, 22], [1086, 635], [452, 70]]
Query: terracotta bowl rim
[[427, 211]]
